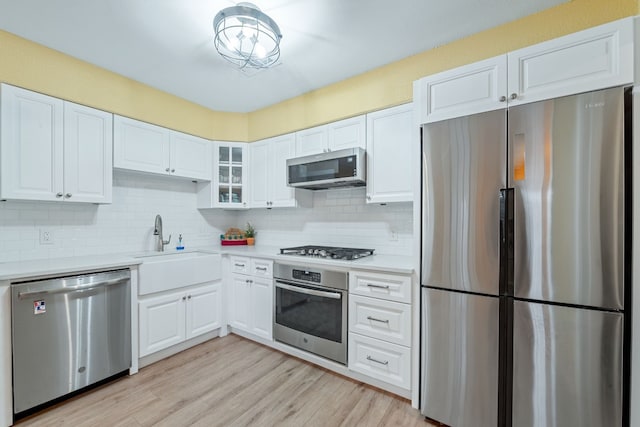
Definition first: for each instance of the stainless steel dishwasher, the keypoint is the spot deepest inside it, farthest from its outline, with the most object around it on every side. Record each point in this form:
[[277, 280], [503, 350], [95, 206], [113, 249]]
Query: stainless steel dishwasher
[[68, 333]]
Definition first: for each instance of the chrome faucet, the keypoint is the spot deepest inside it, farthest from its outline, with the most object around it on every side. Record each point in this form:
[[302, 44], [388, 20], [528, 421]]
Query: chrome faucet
[[158, 232]]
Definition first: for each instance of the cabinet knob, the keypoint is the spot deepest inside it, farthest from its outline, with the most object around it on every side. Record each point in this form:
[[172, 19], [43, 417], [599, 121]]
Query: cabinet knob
[[368, 197], [189, 297], [167, 169], [58, 195], [502, 98], [513, 96], [173, 170], [184, 298], [68, 195]]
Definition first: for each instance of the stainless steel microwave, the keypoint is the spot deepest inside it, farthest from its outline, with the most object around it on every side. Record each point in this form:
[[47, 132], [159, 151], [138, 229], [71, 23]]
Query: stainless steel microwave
[[340, 168]]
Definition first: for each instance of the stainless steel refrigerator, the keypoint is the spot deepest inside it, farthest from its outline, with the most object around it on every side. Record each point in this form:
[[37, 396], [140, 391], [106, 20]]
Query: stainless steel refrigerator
[[525, 264]]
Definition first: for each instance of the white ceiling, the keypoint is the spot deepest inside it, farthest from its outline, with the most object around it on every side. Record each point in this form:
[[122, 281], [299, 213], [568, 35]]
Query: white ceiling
[[168, 44]]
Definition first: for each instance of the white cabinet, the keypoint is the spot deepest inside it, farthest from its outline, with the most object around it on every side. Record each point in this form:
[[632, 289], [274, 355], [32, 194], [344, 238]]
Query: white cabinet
[[144, 147], [347, 133], [389, 155], [229, 188], [268, 166], [169, 319], [465, 90], [592, 59], [179, 298], [53, 150], [251, 296], [380, 326]]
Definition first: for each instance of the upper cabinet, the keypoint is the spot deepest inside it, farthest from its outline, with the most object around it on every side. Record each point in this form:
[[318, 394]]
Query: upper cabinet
[[268, 165], [348, 133], [53, 150], [593, 59], [389, 154], [144, 147], [229, 188]]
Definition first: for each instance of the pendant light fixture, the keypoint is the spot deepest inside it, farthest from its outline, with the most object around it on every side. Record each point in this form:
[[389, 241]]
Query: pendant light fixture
[[246, 36]]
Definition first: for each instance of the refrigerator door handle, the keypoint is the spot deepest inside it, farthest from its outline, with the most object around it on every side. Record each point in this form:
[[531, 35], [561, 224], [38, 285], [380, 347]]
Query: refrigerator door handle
[[506, 241]]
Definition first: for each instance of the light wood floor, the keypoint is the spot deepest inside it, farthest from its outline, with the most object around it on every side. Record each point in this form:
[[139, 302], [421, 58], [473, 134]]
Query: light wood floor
[[232, 381]]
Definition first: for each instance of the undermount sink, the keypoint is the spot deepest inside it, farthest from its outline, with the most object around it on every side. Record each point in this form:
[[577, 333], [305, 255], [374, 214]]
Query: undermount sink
[[162, 271]]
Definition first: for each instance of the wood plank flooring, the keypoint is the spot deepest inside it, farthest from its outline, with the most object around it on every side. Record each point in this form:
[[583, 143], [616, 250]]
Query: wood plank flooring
[[232, 381]]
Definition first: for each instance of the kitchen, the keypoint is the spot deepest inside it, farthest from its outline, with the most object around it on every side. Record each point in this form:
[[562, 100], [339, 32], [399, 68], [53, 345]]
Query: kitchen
[[338, 218]]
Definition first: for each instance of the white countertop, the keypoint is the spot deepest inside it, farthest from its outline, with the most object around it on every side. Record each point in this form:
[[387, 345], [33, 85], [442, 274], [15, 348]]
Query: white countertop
[[388, 263], [57, 266]]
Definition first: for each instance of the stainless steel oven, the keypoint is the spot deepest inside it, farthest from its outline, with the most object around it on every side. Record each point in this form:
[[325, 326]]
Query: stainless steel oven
[[311, 310]]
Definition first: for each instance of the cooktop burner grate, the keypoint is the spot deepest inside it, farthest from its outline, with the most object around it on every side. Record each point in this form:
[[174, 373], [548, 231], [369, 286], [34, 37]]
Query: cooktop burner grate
[[328, 252]]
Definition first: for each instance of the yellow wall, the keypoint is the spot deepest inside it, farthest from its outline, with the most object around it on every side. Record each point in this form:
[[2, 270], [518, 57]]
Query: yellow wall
[[392, 84], [38, 68], [33, 66]]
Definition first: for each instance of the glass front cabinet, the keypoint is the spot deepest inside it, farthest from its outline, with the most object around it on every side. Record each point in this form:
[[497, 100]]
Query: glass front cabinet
[[228, 188]]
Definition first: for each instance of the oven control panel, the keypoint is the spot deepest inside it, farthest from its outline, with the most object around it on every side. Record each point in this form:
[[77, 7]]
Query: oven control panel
[[307, 276]]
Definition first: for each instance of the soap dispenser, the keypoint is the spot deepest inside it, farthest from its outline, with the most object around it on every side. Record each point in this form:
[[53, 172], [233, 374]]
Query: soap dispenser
[[180, 246]]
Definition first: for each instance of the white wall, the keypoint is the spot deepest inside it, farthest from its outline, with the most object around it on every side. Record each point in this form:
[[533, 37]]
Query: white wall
[[124, 226], [339, 217]]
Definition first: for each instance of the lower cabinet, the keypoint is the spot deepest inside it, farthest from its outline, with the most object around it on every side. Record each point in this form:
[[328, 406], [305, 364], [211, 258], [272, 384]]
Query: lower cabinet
[[380, 326], [171, 318], [251, 296]]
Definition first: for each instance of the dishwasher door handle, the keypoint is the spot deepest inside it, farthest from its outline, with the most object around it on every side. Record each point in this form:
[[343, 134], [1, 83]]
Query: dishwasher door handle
[[71, 289]]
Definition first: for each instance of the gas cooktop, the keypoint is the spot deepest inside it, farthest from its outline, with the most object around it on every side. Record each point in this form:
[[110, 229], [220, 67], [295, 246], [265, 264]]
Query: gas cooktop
[[328, 252]]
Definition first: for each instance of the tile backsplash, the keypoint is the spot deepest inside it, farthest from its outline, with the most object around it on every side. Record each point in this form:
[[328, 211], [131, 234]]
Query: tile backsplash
[[338, 218]]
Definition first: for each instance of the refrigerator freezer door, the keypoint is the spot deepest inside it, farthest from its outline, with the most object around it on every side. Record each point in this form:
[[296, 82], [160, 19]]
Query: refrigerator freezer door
[[459, 358], [463, 171], [567, 366], [566, 162]]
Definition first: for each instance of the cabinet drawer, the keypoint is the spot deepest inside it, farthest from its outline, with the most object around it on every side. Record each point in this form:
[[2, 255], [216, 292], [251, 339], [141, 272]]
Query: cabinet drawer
[[387, 362], [240, 265], [385, 320], [386, 286], [261, 268]]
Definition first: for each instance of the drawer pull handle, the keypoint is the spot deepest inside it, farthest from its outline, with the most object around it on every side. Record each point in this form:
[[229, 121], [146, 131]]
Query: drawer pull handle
[[373, 319], [371, 285], [385, 363], [261, 268], [239, 265]]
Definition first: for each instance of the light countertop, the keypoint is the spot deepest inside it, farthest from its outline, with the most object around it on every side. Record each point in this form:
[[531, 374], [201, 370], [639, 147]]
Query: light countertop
[[56, 266], [73, 265]]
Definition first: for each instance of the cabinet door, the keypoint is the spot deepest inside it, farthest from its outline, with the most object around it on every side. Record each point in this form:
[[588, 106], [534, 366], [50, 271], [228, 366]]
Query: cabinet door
[[204, 305], [262, 307], [190, 156], [140, 146], [281, 149], [240, 304], [592, 59], [259, 165], [162, 322], [230, 176], [348, 133], [389, 155], [31, 145], [88, 145], [465, 90], [311, 141]]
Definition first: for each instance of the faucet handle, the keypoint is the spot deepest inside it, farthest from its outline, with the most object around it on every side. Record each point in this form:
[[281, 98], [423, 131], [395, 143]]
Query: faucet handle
[[166, 242]]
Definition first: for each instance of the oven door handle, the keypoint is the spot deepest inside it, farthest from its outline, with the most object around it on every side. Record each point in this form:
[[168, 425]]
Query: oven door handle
[[332, 295]]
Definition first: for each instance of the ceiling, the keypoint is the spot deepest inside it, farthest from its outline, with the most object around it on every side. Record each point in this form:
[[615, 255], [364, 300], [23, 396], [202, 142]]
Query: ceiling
[[167, 44]]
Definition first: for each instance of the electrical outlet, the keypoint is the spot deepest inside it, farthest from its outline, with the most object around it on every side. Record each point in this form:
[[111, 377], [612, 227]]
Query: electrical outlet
[[394, 236], [46, 236]]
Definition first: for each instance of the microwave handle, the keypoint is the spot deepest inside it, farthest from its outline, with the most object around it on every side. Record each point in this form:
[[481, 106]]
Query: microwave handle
[[332, 295]]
